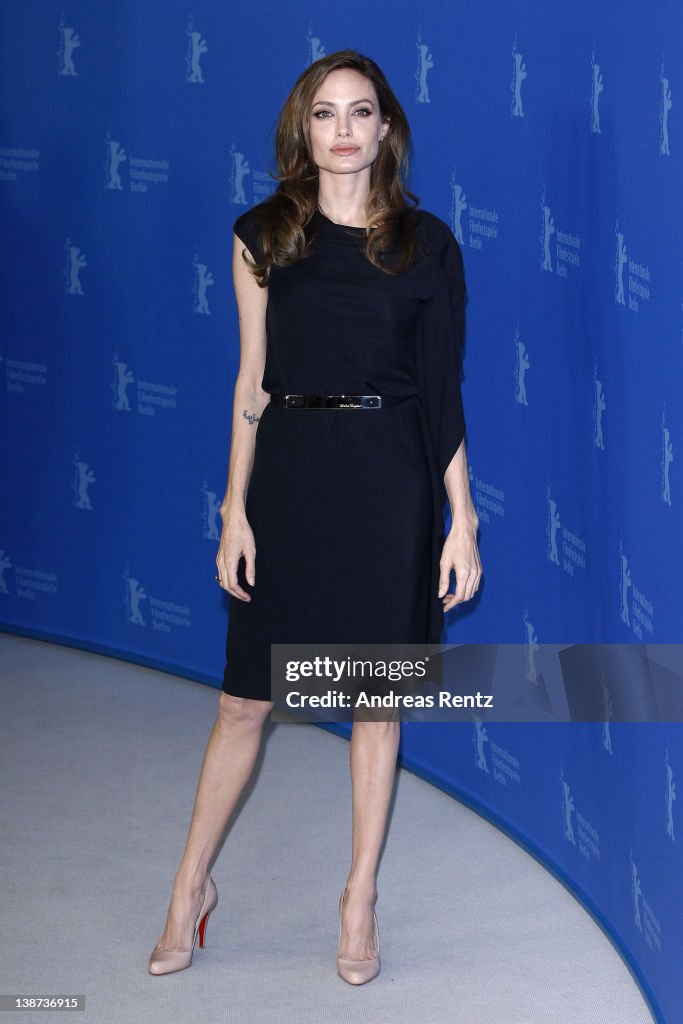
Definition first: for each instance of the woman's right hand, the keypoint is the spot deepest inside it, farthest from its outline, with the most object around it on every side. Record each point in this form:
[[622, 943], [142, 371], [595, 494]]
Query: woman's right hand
[[237, 539]]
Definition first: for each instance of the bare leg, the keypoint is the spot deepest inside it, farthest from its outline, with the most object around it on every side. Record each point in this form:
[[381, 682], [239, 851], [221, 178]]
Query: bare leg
[[228, 762], [372, 755]]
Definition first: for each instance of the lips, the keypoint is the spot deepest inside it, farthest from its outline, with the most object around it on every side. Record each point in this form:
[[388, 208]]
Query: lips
[[345, 150]]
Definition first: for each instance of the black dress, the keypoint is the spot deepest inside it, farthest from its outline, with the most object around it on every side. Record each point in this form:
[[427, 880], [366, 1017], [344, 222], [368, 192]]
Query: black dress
[[346, 505]]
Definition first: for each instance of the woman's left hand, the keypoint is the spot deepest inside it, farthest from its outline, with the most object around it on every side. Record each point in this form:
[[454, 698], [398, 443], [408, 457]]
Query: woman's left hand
[[461, 555]]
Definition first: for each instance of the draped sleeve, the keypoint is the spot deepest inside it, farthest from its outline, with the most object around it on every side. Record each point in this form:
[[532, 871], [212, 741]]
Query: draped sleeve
[[440, 337], [247, 227]]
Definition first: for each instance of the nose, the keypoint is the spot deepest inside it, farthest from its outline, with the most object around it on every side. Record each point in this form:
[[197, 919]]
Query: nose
[[343, 127]]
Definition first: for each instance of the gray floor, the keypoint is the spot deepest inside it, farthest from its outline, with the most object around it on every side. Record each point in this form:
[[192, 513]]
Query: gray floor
[[100, 760]]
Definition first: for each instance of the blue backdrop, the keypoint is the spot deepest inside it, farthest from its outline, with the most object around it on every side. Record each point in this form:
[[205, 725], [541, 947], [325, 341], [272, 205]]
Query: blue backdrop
[[549, 137]]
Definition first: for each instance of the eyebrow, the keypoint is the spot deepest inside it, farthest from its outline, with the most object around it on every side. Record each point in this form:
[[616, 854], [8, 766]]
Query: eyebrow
[[331, 103]]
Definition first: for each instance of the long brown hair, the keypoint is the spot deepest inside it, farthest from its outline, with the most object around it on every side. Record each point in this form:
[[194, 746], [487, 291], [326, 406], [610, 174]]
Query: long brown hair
[[287, 214]]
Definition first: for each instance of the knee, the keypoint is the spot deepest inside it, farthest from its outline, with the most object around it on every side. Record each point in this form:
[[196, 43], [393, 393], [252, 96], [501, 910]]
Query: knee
[[242, 710]]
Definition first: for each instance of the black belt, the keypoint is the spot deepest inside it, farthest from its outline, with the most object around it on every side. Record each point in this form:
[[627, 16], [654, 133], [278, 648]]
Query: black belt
[[336, 401]]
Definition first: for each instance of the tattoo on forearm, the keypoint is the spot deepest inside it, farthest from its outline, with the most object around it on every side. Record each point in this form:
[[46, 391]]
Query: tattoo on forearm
[[251, 416]]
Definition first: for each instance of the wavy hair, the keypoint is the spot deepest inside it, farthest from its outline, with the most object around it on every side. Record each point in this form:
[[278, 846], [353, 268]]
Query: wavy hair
[[287, 215]]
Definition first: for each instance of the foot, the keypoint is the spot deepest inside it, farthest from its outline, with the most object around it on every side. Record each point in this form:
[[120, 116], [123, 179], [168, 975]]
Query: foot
[[357, 934], [183, 911]]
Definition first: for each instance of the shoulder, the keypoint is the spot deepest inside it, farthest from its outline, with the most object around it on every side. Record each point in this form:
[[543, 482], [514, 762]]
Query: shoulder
[[433, 229], [439, 242], [249, 221]]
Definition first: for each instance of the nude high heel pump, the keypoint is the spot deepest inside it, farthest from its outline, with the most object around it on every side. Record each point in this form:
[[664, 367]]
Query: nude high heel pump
[[357, 972], [164, 961]]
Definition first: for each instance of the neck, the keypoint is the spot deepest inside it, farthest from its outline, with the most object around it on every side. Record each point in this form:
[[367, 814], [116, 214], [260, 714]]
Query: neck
[[343, 197]]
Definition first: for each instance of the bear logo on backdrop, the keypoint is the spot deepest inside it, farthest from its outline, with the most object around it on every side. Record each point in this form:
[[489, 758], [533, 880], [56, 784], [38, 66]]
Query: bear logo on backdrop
[[636, 288], [640, 615], [488, 498], [667, 459], [607, 716], [316, 50], [425, 63], [69, 41], [196, 48], [203, 279], [585, 837], [596, 90], [518, 76], [567, 245], [210, 514], [83, 477], [151, 396], [142, 171], [75, 261], [664, 109], [482, 221], [573, 546], [599, 406], [669, 797], [522, 364], [644, 916]]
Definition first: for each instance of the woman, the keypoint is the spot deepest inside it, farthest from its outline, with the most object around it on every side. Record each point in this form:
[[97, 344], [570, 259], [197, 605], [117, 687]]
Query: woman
[[344, 289]]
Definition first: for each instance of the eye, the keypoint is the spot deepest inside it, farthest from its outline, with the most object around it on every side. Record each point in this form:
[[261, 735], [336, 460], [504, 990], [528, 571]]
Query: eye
[[364, 111], [322, 113]]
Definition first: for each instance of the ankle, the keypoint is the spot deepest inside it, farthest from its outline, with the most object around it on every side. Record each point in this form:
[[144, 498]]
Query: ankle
[[190, 881], [361, 888]]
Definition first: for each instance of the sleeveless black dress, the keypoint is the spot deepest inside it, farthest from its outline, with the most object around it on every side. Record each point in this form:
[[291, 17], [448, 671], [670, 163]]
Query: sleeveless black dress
[[346, 505]]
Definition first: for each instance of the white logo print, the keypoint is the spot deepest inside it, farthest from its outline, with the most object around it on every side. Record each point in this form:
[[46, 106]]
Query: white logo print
[[480, 738], [316, 50], [670, 796], [667, 459], [607, 716], [151, 395], [638, 276], [203, 278], [211, 512], [588, 836], [425, 63], [135, 593], [164, 614], [573, 546], [240, 169], [458, 204], [142, 170], [488, 498], [636, 892], [643, 914], [596, 89], [664, 114], [624, 584], [568, 246], [518, 76], [83, 477], [196, 48], [567, 809], [68, 42], [5, 563], [521, 366], [482, 220], [548, 230], [74, 261], [598, 409], [619, 266], [532, 647], [116, 155], [122, 378]]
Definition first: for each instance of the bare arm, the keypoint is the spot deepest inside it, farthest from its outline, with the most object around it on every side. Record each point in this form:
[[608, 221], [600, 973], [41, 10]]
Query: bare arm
[[460, 551], [249, 402]]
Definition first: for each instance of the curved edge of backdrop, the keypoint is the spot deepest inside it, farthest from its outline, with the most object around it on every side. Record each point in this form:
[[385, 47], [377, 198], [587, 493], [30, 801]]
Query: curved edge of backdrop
[[413, 764]]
